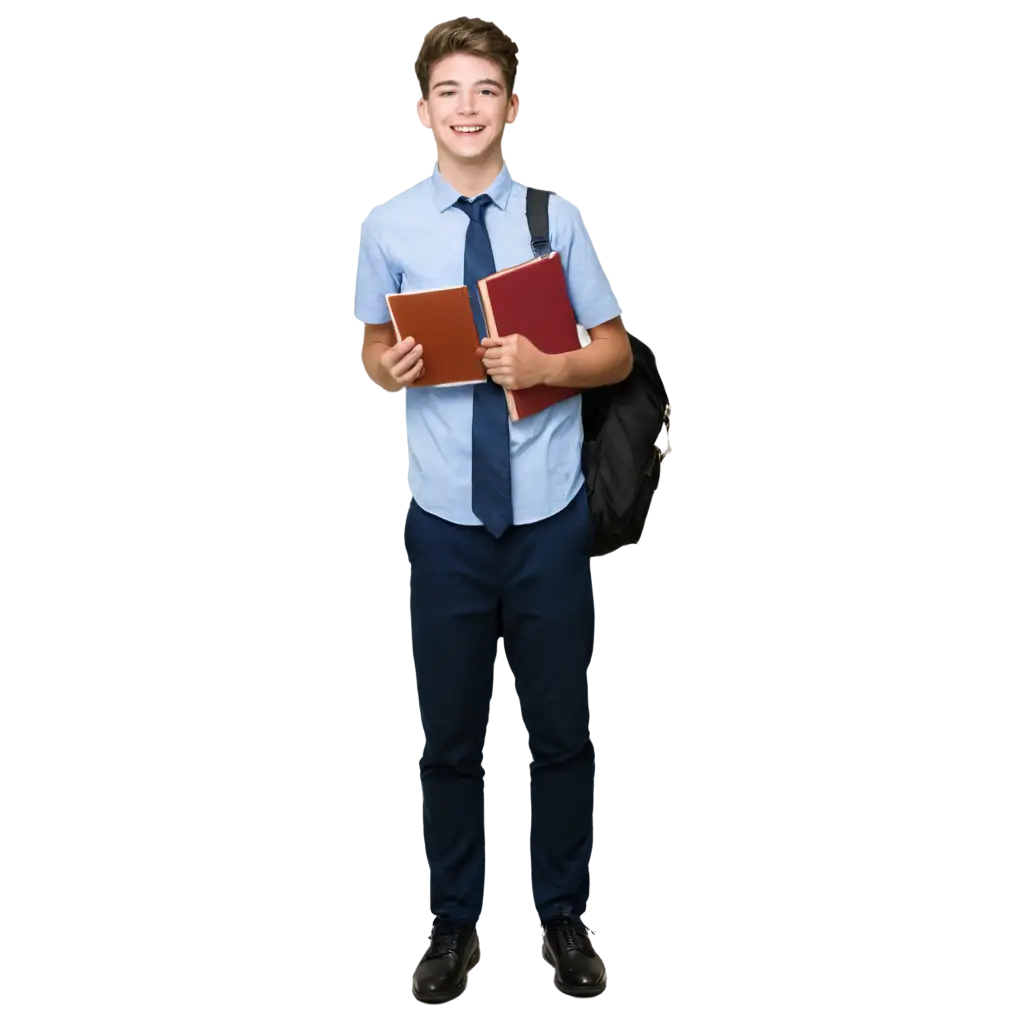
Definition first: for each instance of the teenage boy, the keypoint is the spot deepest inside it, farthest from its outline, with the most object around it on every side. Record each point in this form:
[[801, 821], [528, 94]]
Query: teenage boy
[[498, 532]]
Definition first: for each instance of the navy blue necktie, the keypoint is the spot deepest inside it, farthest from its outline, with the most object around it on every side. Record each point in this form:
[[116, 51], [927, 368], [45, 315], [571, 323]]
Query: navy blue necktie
[[492, 469]]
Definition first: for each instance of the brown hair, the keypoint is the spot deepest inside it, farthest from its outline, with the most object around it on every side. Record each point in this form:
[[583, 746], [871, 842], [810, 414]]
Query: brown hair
[[467, 35]]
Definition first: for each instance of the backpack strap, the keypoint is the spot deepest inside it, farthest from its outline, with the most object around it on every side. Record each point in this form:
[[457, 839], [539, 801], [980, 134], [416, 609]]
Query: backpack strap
[[537, 219]]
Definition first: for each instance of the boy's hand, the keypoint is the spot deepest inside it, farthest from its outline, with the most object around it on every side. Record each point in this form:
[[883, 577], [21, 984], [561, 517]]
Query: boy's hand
[[514, 361], [404, 361]]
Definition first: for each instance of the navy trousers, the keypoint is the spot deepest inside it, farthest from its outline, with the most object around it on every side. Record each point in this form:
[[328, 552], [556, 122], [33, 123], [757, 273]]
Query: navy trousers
[[533, 587]]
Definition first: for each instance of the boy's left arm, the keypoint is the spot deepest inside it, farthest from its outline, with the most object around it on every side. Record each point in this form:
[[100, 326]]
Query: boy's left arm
[[515, 362], [606, 360]]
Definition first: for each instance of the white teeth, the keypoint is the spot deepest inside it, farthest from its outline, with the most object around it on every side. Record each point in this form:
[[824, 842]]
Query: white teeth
[[466, 131]]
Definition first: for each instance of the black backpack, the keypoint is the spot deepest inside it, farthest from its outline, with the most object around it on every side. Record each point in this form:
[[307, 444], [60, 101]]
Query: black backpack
[[621, 423]]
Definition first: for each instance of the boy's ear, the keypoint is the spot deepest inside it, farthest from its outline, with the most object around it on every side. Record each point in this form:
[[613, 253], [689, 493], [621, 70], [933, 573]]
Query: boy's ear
[[513, 108], [423, 111]]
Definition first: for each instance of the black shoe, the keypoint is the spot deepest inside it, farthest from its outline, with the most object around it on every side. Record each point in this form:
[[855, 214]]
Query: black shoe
[[441, 973], [579, 971]]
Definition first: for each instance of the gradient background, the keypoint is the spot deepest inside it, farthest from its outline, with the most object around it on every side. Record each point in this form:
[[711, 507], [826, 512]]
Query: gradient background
[[206, 731]]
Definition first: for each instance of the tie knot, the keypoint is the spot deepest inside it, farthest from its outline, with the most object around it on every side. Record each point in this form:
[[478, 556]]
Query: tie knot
[[473, 208]]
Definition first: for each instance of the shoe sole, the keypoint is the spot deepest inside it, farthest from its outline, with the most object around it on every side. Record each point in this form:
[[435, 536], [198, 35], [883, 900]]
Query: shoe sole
[[444, 997]]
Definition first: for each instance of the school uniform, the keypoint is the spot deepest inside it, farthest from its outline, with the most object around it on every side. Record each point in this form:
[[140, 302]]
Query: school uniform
[[531, 584]]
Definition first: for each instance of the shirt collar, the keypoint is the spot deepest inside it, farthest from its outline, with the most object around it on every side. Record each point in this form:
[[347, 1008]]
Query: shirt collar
[[445, 193]]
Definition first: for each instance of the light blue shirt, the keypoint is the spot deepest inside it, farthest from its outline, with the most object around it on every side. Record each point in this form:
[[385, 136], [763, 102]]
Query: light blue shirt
[[417, 240]]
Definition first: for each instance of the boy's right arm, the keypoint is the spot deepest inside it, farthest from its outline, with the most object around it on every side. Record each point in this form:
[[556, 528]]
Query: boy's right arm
[[390, 365]]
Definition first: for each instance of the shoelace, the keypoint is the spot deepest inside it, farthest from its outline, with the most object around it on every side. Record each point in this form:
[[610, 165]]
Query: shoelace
[[571, 935], [443, 942]]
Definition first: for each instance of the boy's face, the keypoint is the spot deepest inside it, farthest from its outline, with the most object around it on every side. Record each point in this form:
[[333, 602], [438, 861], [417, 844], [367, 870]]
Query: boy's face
[[467, 92]]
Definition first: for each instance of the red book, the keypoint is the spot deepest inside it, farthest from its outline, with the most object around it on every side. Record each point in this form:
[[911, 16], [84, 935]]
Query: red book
[[532, 299]]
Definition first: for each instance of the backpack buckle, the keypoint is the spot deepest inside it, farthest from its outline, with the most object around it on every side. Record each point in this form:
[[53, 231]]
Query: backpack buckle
[[668, 437]]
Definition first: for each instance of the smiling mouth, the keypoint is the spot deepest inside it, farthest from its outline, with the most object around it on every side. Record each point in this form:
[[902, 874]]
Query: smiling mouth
[[467, 129]]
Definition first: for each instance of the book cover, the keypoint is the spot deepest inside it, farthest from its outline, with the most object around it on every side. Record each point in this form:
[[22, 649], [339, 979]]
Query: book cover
[[532, 299], [441, 320]]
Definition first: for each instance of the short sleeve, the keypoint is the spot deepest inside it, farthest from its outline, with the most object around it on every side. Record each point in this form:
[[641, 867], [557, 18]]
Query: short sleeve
[[591, 295], [374, 279]]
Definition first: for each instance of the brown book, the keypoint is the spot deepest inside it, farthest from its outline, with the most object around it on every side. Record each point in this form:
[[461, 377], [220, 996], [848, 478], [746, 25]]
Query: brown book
[[441, 320], [532, 299]]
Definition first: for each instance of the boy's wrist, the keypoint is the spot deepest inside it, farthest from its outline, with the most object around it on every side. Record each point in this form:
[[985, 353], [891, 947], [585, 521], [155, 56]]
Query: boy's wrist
[[380, 374], [554, 368]]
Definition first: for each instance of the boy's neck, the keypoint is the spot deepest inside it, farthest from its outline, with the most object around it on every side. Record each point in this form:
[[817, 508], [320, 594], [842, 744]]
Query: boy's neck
[[470, 179]]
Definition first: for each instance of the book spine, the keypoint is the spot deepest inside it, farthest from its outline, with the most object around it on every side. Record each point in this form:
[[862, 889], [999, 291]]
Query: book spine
[[394, 322], [492, 332]]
